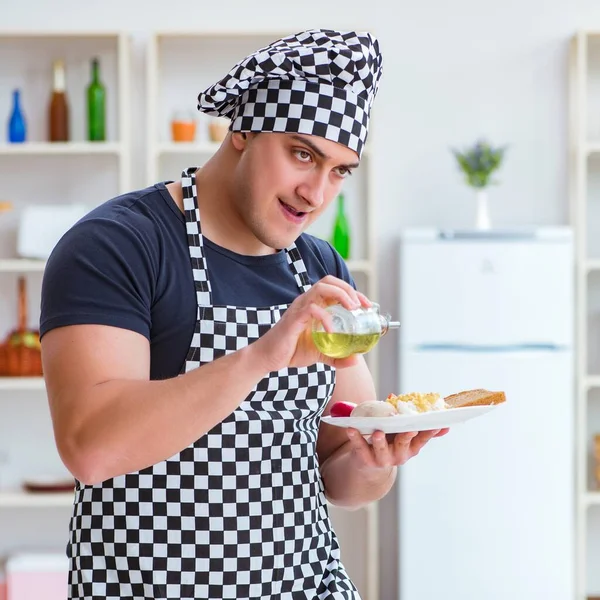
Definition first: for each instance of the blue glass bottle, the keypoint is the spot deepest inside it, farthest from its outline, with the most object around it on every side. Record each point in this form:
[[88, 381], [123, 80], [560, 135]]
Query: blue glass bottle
[[17, 129]]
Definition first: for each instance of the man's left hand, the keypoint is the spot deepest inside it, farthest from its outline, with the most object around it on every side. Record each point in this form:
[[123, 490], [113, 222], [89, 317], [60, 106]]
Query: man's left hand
[[391, 450]]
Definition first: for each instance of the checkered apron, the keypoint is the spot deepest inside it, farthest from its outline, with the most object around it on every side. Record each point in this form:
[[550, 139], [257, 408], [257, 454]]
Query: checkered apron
[[239, 514]]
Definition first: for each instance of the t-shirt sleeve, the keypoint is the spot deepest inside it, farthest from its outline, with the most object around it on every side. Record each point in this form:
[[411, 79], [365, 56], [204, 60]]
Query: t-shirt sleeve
[[101, 272]]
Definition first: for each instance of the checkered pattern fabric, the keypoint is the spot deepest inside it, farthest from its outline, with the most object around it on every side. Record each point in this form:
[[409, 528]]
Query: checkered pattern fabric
[[318, 82], [240, 514]]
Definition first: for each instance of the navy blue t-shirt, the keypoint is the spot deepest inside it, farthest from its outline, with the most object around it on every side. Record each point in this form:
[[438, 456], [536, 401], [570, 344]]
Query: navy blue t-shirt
[[127, 264]]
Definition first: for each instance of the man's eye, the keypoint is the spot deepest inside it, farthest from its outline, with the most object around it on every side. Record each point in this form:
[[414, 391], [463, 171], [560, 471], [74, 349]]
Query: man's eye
[[303, 155], [344, 172]]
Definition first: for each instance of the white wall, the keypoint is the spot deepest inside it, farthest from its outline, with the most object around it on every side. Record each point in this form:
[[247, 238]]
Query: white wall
[[453, 71]]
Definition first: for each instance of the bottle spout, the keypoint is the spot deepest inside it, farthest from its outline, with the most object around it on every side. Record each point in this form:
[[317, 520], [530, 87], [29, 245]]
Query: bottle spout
[[387, 324]]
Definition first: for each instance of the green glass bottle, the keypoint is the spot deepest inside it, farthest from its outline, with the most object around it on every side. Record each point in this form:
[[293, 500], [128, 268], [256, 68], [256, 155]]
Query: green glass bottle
[[341, 230], [96, 104]]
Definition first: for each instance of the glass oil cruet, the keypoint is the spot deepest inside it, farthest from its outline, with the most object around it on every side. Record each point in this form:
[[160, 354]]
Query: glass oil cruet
[[354, 331]]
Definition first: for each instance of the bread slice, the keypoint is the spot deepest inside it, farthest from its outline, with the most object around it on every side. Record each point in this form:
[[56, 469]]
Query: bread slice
[[474, 398]]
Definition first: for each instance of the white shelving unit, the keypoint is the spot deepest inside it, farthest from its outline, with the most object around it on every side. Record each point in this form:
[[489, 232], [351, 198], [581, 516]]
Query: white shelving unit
[[584, 154], [38, 171], [182, 64]]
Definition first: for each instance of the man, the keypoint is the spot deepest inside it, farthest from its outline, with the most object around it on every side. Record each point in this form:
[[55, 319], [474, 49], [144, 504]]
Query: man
[[185, 391]]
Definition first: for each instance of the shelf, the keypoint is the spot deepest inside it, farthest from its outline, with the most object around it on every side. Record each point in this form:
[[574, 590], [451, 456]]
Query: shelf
[[176, 148], [359, 266], [24, 500], [592, 264], [22, 383], [60, 148], [21, 265], [592, 499], [590, 32], [32, 33], [592, 148], [592, 381]]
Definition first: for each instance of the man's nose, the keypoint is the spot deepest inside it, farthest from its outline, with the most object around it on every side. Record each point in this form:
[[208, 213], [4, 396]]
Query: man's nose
[[312, 191]]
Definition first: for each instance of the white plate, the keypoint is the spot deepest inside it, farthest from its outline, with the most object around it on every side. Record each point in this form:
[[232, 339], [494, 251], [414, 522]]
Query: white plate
[[437, 419]]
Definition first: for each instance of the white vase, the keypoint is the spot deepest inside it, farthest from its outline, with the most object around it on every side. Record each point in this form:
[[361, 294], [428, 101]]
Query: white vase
[[483, 213]]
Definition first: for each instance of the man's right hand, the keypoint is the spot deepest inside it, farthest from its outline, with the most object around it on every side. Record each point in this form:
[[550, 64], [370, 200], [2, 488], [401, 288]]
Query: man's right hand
[[289, 342]]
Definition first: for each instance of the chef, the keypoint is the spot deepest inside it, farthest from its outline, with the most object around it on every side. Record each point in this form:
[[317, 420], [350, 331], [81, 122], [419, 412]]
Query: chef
[[185, 394]]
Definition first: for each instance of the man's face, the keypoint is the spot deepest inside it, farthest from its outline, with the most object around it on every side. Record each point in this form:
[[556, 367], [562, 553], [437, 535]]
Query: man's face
[[284, 181]]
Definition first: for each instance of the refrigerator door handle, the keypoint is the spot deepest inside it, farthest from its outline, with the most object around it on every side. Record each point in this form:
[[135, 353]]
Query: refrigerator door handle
[[496, 348]]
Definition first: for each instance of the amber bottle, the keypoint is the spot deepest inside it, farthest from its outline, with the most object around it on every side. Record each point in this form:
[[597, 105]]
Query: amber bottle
[[58, 120]]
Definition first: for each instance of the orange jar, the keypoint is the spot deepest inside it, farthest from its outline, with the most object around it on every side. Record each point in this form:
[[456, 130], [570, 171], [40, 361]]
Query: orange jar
[[183, 128]]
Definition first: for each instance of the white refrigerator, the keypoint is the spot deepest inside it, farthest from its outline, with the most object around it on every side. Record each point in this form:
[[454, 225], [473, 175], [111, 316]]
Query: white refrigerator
[[487, 512]]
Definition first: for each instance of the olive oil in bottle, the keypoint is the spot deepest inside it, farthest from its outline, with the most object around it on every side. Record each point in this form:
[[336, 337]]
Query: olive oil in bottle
[[342, 345], [353, 331]]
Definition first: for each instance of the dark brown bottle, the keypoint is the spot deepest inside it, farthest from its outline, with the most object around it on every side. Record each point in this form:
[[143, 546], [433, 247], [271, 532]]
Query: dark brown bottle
[[59, 109]]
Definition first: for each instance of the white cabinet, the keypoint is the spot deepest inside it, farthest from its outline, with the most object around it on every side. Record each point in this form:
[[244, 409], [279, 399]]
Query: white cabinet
[[584, 169], [40, 172]]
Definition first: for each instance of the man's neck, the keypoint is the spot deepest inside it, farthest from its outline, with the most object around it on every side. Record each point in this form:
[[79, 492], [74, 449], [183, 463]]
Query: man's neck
[[221, 223]]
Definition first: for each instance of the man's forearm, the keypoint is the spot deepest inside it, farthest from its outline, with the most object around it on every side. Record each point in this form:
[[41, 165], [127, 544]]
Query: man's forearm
[[129, 425], [349, 484]]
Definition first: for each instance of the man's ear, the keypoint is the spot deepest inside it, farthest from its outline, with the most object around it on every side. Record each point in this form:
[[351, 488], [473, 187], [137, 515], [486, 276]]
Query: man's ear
[[239, 139]]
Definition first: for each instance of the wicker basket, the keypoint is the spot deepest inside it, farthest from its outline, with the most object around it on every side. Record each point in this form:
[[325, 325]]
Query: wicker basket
[[20, 358]]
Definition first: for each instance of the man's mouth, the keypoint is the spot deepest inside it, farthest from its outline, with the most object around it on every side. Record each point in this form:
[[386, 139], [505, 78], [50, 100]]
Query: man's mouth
[[292, 212]]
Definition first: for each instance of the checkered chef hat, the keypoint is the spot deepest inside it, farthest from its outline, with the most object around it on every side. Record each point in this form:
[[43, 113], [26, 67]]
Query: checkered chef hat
[[318, 82]]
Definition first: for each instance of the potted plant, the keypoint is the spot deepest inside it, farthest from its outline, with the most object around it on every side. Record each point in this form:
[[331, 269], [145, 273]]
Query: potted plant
[[478, 164]]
